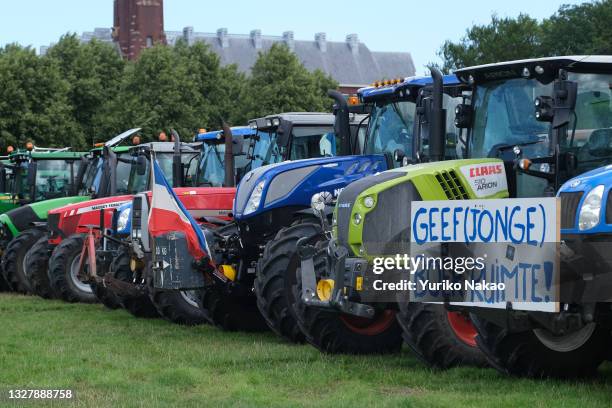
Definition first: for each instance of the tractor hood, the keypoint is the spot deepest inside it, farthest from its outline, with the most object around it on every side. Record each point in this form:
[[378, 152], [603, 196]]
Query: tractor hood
[[293, 183]]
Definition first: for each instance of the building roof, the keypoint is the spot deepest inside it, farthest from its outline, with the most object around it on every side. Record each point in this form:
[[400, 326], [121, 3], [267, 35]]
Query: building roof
[[349, 62]]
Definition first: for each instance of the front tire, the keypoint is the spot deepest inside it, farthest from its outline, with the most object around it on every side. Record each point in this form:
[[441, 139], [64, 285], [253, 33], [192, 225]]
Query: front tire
[[276, 276], [13, 260], [333, 332], [63, 271], [231, 313], [538, 354], [180, 307], [37, 265], [439, 338]]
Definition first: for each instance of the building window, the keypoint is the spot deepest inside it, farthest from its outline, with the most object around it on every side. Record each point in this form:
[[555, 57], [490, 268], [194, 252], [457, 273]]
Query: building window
[[149, 42]]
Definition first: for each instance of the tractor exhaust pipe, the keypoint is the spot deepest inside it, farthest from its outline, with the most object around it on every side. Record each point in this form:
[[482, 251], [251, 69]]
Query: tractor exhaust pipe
[[229, 156], [342, 123], [177, 164], [437, 137]]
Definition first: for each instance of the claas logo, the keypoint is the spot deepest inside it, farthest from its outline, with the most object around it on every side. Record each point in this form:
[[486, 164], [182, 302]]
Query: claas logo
[[487, 170]]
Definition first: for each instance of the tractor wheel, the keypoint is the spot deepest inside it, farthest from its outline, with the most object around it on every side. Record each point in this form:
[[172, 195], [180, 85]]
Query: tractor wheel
[[276, 277], [439, 338], [334, 332], [138, 306], [105, 296], [4, 286], [179, 306], [64, 270], [37, 267], [231, 313], [537, 353], [13, 260]]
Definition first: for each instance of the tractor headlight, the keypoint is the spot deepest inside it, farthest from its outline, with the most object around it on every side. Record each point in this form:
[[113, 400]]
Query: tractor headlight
[[123, 219], [254, 199], [591, 209]]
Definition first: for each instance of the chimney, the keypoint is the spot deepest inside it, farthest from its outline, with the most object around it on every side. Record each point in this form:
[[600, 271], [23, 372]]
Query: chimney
[[321, 40], [256, 38], [222, 36], [353, 42], [288, 40], [188, 35]]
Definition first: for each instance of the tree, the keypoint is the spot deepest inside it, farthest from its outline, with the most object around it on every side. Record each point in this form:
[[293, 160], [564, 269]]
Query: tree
[[502, 39], [280, 83], [34, 104]]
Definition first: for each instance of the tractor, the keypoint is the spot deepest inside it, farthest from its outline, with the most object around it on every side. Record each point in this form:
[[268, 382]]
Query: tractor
[[272, 210], [526, 153], [276, 138], [52, 263]]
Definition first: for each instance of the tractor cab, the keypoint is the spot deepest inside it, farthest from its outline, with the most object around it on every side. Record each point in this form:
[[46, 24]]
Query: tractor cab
[[568, 132]]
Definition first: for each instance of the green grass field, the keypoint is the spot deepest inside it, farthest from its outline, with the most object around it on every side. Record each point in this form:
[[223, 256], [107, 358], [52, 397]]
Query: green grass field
[[112, 359]]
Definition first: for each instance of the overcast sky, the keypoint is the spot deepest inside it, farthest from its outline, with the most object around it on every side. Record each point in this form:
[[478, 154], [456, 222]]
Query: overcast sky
[[417, 27]]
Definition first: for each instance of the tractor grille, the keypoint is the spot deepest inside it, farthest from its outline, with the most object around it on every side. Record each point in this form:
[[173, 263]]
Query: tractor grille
[[569, 206], [452, 186], [386, 229]]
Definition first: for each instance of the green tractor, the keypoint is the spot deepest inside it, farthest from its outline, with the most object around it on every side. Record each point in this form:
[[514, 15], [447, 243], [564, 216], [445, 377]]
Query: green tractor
[[509, 148], [53, 179]]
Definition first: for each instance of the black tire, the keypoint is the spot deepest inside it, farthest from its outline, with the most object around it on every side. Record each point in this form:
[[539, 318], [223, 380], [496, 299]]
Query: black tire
[[37, 266], [138, 306], [332, 332], [105, 296], [428, 331], [524, 354], [276, 277], [62, 274], [13, 264], [4, 286], [231, 313], [179, 307]]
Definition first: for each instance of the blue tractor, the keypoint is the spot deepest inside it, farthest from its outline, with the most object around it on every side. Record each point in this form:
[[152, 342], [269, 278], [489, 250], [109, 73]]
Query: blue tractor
[[256, 255]]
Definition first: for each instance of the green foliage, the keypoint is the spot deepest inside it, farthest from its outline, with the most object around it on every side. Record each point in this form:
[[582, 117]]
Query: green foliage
[[574, 29], [80, 93]]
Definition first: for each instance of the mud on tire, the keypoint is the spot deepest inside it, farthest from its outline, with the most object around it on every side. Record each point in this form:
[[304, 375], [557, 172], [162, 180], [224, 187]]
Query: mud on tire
[[37, 266], [63, 266], [231, 313], [439, 339], [276, 274], [13, 260], [333, 332], [180, 307], [524, 353], [105, 296]]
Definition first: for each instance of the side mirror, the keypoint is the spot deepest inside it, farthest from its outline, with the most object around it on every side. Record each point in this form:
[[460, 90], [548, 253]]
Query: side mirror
[[141, 165], [463, 116], [558, 107], [398, 155]]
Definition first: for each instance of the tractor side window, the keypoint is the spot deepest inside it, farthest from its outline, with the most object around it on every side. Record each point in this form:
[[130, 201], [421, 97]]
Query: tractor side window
[[128, 181], [505, 116], [309, 142], [92, 177], [452, 149], [53, 178], [391, 128], [266, 150], [212, 168], [190, 167], [590, 132]]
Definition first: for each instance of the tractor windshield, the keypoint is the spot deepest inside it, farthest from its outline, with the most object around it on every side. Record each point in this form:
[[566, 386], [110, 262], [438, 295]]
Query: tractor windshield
[[504, 115], [265, 149], [589, 135], [92, 177], [54, 178], [211, 168], [137, 183], [391, 128]]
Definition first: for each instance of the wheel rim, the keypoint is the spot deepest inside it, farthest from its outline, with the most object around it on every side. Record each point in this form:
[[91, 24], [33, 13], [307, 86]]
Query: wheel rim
[[191, 297], [74, 276], [369, 327], [23, 267], [567, 342], [463, 328]]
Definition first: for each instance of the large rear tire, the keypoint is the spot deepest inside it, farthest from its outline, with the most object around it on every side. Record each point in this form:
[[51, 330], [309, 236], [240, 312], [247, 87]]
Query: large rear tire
[[138, 306], [276, 277], [13, 260], [105, 296], [231, 313], [63, 271], [334, 332], [179, 306], [538, 354], [37, 266], [439, 338]]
